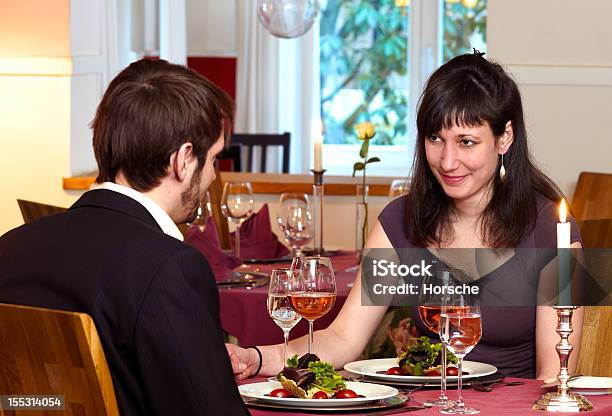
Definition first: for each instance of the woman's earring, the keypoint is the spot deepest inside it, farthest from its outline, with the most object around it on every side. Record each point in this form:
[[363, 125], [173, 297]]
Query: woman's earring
[[502, 169]]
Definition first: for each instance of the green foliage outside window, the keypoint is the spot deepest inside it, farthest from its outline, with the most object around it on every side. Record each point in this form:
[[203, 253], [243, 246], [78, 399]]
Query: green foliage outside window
[[465, 24], [364, 62]]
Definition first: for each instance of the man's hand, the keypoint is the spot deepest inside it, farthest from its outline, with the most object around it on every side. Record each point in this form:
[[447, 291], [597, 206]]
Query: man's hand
[[244, 361]]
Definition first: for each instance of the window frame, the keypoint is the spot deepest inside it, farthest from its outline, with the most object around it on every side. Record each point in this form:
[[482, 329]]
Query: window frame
[[425, 55]]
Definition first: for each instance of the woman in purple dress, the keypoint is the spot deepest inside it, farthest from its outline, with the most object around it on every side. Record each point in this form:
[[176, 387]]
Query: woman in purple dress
[[473, 186]]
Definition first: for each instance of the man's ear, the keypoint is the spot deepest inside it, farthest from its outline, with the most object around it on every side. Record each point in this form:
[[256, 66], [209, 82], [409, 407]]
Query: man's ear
[[182, 161], [506, 139]]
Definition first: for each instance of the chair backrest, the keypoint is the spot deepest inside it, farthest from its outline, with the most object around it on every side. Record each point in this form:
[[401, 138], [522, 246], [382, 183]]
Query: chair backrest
[[593, 196], [33, 210], [264, 140], [216, 191], [596, 233], [53, 352], [595, 357], [230, 159]]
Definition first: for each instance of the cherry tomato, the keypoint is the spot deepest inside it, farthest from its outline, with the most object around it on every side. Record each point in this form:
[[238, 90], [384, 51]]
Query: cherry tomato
[[345, 394], [432, 373], [282, 393], [395, 371], [452, 371], [320, 395]]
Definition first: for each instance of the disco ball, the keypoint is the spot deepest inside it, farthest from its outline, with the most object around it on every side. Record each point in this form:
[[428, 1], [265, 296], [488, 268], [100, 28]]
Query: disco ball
[[287, 18]]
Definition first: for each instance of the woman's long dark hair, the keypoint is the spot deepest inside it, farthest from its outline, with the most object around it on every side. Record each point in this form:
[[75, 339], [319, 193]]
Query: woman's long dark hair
[[471, 91]]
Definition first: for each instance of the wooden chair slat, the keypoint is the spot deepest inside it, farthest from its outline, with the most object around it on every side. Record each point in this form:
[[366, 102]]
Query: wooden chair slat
[[49, 352]]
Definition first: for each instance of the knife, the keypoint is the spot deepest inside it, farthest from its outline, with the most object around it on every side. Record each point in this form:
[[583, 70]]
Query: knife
[[397, 411]]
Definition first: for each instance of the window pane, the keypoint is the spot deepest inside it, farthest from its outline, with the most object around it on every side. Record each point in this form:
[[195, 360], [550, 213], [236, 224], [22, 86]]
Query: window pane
[[465, 23], [364, 68]]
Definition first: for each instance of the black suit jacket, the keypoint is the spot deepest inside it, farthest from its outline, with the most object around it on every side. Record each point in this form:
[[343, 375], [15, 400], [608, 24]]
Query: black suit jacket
[[153, 299]]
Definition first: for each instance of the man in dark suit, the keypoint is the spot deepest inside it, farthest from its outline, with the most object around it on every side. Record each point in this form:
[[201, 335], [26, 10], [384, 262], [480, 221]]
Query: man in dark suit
[[117, 254]]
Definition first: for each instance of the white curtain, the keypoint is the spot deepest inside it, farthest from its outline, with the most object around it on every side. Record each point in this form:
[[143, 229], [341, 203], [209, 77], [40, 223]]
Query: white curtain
[[257, 87], [277, 86]]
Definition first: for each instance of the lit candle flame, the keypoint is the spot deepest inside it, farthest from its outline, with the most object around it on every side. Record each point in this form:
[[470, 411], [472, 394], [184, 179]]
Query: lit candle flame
[[563, 211]]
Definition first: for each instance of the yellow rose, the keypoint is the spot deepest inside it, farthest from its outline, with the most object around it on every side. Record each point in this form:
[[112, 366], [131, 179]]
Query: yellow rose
[[470, 4], [365, 130], [402, 3]]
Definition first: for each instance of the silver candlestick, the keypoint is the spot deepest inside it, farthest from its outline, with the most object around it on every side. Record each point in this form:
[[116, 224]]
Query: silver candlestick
[[318, 193], [562, 400]]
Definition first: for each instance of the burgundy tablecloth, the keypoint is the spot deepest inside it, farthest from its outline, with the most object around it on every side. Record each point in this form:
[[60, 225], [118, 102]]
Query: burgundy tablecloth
[[503, 400], [245, 316]]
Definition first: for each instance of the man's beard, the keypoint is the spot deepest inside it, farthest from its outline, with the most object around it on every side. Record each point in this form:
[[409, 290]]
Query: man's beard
[[192, 196]]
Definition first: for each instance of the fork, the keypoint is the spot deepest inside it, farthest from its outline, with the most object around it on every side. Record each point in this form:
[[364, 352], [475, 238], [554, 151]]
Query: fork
[[478, 386]]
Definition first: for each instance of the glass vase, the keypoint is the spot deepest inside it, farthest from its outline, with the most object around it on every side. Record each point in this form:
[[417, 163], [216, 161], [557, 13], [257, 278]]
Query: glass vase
[[361, 217]]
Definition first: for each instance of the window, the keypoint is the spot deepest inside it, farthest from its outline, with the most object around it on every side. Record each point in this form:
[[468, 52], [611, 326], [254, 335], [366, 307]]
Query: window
[[375, 56]]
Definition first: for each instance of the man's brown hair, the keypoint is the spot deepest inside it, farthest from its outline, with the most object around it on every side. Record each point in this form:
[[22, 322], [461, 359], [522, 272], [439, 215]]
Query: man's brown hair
[[149, 110]]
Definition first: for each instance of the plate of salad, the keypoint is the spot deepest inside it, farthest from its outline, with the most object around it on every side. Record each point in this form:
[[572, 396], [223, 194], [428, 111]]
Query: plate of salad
[[420, 362], [309, 382]]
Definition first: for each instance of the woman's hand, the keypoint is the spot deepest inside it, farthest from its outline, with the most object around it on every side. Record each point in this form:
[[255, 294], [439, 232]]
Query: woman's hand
[[244, 361]]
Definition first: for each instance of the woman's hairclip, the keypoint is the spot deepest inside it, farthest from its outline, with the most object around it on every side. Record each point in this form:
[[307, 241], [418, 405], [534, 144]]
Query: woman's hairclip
[[477, 52]]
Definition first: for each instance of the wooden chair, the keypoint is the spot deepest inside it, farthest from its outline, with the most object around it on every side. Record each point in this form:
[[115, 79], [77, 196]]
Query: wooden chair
[[53, 352], [596, 233], [33, 210], [264, 140], [595, 357], [593, 196], [596, 345], [216, 191], [230, 159]]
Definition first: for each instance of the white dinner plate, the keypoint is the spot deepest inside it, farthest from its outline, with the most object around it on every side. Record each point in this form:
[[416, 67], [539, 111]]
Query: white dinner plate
[[372, 393], [587, 385], [376, 368]]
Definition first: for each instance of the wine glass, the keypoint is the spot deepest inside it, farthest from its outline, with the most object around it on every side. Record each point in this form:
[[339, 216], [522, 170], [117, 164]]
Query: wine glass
[[398, 187], [313, 290], [202, 213], [460, 331], [237, 205], [279, 305], [430, 307], [295, 220]]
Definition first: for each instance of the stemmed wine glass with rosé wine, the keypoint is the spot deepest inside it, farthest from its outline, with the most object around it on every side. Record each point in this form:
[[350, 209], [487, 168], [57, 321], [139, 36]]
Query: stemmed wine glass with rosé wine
[[279, 304], [313, 290], [460, 331], [430, 307]]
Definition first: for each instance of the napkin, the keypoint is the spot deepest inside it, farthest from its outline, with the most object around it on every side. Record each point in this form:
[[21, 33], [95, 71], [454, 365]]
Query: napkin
[[207, 242], [257, 241]]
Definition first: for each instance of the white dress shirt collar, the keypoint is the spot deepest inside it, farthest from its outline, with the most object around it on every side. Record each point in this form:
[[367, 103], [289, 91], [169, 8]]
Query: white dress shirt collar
[[161, 217]]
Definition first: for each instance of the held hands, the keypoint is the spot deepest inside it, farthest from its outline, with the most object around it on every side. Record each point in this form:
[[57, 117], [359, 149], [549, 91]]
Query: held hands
[[245, 362]]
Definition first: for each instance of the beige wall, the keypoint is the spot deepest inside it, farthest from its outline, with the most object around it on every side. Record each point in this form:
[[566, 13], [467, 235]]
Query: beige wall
[[34, 104], [560, 52]]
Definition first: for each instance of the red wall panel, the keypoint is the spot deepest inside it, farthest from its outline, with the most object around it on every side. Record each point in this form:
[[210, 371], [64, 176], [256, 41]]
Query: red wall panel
[[221, 71]]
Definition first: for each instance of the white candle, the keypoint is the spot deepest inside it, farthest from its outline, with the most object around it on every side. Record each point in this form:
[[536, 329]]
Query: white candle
[[317, 126], [318, 145], [563, 242], [563, 227]]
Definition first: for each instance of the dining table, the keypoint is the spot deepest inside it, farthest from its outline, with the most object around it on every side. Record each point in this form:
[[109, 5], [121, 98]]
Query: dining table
[[502, 400], [244, 313]]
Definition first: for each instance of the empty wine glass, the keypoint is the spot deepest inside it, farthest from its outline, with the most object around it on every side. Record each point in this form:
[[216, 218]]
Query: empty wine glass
[[313, 290], [279, 304], [430, 307], [460, 331], [237, 205], [398, 187], [202, 213], [295, 220]]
